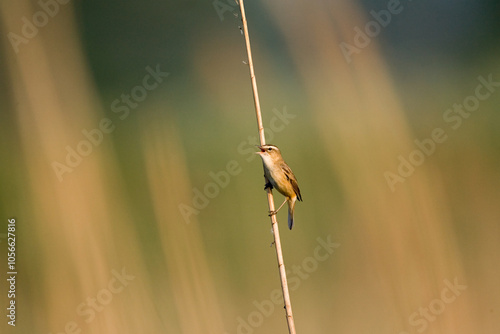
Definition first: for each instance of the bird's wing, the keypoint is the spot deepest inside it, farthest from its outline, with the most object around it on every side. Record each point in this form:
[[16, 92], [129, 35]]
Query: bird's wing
[[291, 178]]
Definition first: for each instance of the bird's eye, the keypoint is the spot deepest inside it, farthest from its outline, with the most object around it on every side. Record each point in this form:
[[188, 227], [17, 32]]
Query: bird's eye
[[270, 149]]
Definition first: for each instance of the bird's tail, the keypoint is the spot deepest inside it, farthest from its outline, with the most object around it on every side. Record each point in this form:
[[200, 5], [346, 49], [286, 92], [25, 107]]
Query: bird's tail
[[291, 210]]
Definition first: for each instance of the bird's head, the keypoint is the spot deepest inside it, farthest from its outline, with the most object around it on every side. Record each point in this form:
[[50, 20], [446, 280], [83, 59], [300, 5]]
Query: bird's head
[[269, 152]]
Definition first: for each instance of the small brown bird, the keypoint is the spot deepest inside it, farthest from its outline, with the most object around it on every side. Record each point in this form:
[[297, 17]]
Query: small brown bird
[[278, 175]]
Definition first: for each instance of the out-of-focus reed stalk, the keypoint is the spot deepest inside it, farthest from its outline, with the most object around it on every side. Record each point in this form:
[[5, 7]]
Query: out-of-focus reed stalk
[[405, 239], [274, 222], [77, 233], [189, 278]]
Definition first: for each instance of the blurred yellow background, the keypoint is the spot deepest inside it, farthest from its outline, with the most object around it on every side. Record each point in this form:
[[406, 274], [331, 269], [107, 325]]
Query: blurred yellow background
[[127, 135]]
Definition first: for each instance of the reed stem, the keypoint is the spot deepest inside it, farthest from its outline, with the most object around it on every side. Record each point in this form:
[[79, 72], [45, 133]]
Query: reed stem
[[274, 221]]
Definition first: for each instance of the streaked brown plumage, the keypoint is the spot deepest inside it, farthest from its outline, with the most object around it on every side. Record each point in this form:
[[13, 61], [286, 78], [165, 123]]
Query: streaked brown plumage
[[280, 176]]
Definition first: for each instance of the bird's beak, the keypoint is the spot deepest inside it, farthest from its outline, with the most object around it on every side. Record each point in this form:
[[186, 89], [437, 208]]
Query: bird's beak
[[260, 148]]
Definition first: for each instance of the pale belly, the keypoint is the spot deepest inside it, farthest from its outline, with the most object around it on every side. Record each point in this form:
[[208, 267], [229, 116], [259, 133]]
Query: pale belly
[[279, 183]]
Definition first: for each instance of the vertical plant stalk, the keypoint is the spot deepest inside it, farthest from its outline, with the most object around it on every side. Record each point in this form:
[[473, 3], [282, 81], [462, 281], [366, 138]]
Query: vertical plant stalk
[[274, 221]]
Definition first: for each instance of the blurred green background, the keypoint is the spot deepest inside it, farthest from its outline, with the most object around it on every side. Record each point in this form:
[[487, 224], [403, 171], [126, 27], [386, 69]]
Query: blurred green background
[[117, 115]]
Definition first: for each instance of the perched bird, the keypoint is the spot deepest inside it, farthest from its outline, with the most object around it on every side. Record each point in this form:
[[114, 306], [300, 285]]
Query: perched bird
[[278, 175]]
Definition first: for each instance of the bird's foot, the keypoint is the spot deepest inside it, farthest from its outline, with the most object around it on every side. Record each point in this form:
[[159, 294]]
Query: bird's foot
[[268, 185]]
